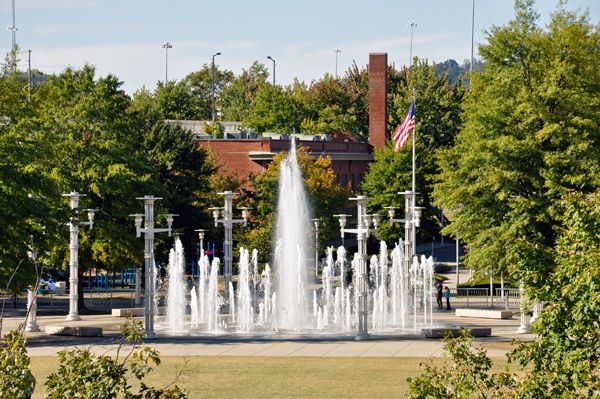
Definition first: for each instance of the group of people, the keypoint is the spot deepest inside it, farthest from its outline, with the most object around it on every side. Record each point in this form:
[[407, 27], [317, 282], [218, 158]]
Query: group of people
[[441, 293]]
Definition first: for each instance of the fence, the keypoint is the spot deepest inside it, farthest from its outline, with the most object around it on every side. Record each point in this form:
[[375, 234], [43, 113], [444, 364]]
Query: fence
[[480, 297], [92, 298]]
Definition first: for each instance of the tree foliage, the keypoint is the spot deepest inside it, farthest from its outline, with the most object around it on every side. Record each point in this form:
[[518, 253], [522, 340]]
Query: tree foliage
[[564, 359], [531, 130]]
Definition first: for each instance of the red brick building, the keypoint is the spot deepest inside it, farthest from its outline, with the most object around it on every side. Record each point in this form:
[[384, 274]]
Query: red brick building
[[349, 158]]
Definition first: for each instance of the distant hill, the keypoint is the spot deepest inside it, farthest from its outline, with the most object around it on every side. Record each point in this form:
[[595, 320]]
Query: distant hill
[[455, 69]]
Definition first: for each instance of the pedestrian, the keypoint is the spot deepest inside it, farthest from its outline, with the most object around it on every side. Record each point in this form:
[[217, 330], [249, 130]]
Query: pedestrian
[[162, 273], [439, 295], [447, 298]]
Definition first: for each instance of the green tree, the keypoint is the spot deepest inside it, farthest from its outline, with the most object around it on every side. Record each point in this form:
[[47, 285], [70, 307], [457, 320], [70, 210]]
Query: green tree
[[28, 204], [564, 359], [277, 109], [176, 100], [96, 152], [531, 130], [437, 122], [200, 85], [183, 171], [328, 108], [238, 97]]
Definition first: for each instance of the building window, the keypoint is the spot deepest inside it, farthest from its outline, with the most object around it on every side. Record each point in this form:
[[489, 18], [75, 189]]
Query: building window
[[349, 166], [337, 179], [340, 166], [352, 182], [344, 180]]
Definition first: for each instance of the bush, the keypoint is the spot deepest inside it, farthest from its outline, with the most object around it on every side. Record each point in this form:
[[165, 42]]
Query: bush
[[441, 268]]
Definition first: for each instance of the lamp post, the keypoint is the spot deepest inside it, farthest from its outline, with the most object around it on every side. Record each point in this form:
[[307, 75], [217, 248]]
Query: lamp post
[[149, 230], [74, 254], [336, 51], [212, 115], [412, 26], [201, 237], [227, 221], [166, 46], [316, 221], [269, 57], [362, 232], [412, 220]]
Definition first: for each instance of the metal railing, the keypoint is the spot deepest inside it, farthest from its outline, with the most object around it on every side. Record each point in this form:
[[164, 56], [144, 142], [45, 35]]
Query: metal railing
[[480, 297]]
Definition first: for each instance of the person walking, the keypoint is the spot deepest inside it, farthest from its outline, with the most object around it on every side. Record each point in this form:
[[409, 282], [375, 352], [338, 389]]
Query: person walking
[[447, 298], [163, 274], [439, 295]]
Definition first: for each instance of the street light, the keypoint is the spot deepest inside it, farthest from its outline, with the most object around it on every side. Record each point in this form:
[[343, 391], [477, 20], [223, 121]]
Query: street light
[[316, 221], [362, 233], [269, 57], [336, 51], [213, 87], [412, 26], [149, 230], [227, 221], [74, 253], [166, 46]]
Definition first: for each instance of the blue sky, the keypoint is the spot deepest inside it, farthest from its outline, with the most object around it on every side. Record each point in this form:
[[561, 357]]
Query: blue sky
[[124, 37]]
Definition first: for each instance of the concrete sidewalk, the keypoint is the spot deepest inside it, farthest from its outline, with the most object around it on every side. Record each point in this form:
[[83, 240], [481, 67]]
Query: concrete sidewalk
[[393, 344]]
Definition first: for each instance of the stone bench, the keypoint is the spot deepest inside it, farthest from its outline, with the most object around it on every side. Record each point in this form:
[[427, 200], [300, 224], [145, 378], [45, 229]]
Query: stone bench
[[441, 332], [485, 313], [74, 331], [124, 312]]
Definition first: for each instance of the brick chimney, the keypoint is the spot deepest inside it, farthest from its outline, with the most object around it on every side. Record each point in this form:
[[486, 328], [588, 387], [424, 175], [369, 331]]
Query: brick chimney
[[378, 115]]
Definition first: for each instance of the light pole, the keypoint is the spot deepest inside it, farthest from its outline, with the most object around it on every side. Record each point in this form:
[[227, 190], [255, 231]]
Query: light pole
[[227, 221], [201, 237], [336, 51], [269, 57], [212, 115], [166, 46], [149, 232], [316, 221], [412, 26], [362, 232], [412, 220], [74, 253], [13, 28]]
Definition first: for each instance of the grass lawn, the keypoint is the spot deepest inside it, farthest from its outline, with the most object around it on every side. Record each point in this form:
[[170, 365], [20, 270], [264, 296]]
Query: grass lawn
[[277, 377]]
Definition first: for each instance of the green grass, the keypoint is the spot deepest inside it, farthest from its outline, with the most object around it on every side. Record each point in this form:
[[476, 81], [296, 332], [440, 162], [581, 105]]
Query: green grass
[[277, 377]]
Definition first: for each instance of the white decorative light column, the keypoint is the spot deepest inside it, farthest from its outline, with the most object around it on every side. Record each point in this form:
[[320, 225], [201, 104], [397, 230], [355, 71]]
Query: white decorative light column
[[362, 232], [149, 232], [74, 254], [31, 311], [316, 221], [412, 220], [227, 221], [525, 327]]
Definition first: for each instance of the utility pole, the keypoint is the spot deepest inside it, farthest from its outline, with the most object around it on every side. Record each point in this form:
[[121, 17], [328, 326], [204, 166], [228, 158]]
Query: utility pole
[[29, 78], [412, 26], [336, 51], [13, 28], [472, 34]]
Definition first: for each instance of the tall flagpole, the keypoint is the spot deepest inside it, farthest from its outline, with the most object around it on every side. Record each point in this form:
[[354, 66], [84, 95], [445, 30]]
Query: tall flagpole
[[413, 147]]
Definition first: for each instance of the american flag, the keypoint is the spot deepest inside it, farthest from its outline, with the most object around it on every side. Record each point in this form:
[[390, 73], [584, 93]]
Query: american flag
[[408, 125]]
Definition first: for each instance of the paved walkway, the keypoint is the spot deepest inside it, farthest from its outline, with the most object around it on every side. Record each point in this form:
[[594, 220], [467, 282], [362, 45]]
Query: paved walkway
[[408, 344]]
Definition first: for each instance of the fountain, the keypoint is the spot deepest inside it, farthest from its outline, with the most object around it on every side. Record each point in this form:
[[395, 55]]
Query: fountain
[[278, 300]]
